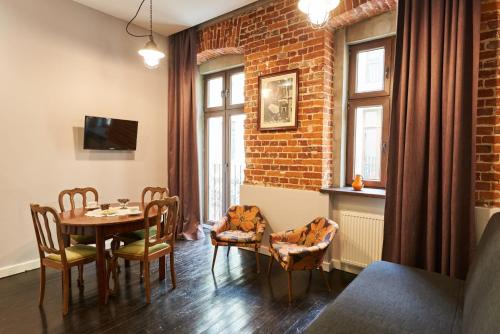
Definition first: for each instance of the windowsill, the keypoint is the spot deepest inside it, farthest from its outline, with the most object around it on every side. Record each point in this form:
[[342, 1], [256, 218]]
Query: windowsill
[[366, 192]]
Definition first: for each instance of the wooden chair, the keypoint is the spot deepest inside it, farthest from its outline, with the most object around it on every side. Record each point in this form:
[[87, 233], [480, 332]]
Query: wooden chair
[[76, 239], [302, 248], [162, 214], [71, 193], [126, 238], [53, 253], [241, 226], [154, 193]]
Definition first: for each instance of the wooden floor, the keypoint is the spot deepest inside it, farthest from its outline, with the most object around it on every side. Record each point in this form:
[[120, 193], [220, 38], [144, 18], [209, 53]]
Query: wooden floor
[[233, 300]]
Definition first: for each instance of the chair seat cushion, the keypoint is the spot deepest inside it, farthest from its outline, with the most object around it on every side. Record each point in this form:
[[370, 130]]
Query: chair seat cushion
[[391, 298], [82, 239], [136, 248], [75, 253], [283, 249], [136, 235], [236, 236]]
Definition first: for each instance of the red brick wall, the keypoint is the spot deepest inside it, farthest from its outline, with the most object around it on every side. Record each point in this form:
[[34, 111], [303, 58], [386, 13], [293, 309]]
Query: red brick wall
[[276, 37], [488, 130]]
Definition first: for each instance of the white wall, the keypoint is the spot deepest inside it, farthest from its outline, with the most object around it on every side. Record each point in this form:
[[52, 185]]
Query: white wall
[[60, 61]]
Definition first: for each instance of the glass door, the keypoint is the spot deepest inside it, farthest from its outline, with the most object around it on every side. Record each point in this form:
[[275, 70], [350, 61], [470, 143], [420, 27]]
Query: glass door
[[215, 167], [224, 144]]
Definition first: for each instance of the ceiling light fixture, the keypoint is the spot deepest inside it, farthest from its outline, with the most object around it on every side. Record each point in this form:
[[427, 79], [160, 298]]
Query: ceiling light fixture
[[150, 52], [318, 11]]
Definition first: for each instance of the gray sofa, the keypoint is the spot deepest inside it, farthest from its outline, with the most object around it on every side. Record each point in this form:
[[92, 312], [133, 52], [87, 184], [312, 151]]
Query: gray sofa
[[391, 298]]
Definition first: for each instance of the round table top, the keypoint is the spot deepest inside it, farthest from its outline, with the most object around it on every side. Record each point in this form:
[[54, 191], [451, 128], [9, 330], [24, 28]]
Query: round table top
[[77, 217]]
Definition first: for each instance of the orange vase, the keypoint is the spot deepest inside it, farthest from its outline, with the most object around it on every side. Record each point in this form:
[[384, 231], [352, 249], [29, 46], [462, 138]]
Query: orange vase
[[358, 184]]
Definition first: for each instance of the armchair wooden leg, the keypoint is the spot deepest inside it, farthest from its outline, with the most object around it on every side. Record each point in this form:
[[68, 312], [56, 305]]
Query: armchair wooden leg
[[66, 280], [42, 285], [127, 263], [325, 279], [147, 282], [172, 270], [228, 249], [310, 277], [215, 255], [80, 276], [290, 296], [257, 258], [270, 266]]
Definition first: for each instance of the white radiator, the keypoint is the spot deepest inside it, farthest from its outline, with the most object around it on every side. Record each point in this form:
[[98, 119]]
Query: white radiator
[[361, 237]]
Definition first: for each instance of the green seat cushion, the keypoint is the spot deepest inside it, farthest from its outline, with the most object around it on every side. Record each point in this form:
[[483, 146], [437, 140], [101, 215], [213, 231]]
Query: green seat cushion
[[75, 253], [83, 239], [137, 248], [138, 235]]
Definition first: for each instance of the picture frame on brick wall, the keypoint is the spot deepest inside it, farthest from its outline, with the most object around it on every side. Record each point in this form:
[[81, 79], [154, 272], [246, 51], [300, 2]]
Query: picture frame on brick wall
[[278, 101]]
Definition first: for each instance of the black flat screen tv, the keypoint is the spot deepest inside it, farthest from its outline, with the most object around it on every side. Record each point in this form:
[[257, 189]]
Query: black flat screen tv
[[109, 134]]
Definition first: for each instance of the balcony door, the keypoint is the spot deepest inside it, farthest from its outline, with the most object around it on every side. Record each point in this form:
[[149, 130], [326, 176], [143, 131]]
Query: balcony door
[[224, 145]]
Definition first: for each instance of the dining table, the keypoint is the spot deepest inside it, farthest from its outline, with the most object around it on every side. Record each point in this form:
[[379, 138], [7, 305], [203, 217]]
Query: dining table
[[103, 228]]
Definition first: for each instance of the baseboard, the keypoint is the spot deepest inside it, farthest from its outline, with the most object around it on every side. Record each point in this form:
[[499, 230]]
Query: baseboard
[[19, 268]]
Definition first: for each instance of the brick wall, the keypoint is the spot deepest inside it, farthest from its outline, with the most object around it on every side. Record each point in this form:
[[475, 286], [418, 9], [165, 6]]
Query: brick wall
[[276, 37], [488, 139]]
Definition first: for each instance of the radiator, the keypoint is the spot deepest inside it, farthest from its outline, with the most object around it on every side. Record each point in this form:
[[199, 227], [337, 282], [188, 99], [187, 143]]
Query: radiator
[[361, 237]]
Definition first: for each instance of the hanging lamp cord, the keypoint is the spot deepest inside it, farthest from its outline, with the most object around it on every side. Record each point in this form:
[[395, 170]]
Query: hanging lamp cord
[[150, 20]]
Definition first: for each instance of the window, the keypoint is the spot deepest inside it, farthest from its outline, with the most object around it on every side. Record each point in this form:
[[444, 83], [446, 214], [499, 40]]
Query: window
[[370, 79], [224, 144]]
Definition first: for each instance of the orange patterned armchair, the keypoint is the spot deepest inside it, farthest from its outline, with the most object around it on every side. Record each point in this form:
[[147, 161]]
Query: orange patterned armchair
[[241, 226], [302, 248]]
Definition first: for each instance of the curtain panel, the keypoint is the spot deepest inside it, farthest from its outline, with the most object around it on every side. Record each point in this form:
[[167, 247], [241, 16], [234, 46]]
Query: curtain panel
[[429, 213], [182, 148]]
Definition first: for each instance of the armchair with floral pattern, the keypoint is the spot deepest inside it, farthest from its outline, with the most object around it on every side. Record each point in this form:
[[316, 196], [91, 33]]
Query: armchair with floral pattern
[[241, 226], [302, 248]]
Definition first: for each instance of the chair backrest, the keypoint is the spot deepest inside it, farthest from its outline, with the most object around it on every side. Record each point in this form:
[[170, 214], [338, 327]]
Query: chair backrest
[[482, 286], [154, 193], [164, 214], [71, 193], [244, 217], [320, 230], [48, 231]]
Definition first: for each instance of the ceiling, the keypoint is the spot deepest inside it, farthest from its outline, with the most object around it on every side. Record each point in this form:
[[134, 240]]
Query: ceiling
[[169, 16]]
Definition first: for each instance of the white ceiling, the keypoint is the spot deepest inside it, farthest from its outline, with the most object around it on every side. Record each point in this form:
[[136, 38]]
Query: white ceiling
[[169, 16]]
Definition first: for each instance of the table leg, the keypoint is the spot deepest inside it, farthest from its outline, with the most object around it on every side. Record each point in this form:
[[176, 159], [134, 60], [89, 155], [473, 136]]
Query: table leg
[[101, 264], [161, 269]]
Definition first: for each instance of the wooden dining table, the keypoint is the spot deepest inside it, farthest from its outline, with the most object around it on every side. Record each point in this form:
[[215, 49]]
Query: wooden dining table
[[103, 228]]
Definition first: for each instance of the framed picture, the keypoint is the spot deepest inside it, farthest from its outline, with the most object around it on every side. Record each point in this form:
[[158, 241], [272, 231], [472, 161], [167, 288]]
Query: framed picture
[[278, 101]]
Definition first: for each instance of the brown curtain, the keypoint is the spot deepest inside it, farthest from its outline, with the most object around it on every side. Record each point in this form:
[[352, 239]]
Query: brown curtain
[[182, 148], [429, 212]]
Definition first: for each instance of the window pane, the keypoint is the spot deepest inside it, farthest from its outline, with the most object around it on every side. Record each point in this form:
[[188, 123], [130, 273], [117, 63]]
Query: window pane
[[237, 157], [368, 142], [214, 92], [237, 88], [370, 70], [215, 167]]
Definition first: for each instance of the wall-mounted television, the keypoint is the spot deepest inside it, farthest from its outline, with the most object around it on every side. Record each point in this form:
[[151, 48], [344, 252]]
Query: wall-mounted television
[[109, 134]]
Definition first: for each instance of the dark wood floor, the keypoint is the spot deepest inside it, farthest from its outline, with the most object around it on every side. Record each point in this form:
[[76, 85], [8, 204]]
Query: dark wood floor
[[233, 300]]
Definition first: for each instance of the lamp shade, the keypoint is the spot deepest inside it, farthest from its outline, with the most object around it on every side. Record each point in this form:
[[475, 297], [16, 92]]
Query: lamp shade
[[151, 54], [318, 11]]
